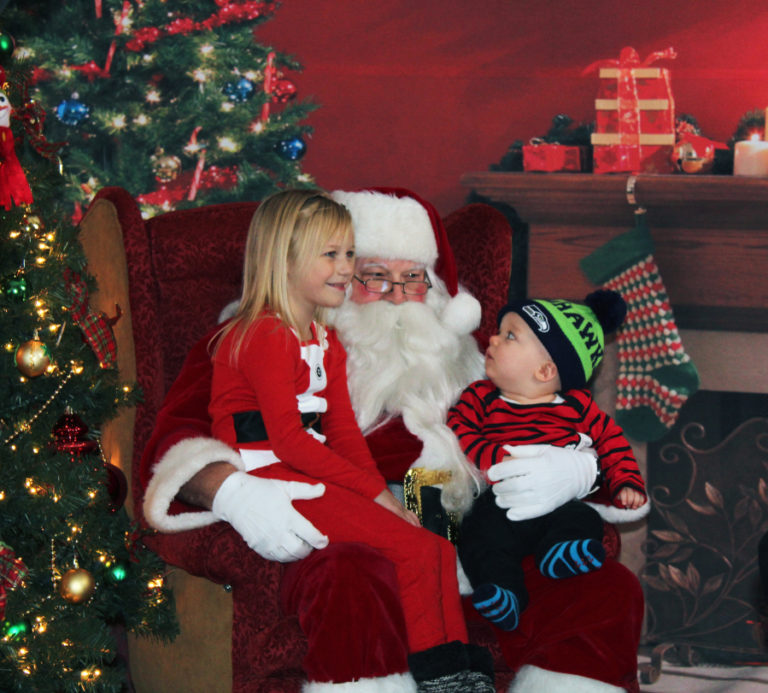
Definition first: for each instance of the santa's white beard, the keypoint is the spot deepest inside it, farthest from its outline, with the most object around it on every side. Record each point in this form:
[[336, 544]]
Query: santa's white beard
[[401, 360]]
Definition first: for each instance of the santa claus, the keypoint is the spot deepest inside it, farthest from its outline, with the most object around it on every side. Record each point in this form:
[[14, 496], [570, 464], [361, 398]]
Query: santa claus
[[407, 330]]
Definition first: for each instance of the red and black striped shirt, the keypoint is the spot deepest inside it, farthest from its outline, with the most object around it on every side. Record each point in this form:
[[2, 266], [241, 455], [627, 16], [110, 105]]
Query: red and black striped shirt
[[484, 422]]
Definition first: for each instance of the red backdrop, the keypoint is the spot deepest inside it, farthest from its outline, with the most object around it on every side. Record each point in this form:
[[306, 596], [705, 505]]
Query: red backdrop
[[416, 93]]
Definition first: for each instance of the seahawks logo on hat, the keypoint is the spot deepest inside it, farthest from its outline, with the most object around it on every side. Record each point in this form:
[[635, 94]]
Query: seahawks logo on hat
[[534, 312]]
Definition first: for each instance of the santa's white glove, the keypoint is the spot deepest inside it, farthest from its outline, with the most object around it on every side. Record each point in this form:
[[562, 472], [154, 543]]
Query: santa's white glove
[[541, 478], [261, 512]]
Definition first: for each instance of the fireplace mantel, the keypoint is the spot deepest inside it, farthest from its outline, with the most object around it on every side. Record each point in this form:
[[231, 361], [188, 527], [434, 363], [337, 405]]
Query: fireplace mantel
[[710, 235]]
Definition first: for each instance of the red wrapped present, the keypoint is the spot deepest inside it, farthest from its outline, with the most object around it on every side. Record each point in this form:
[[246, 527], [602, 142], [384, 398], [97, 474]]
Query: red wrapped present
[[546, 156], [635, 123]]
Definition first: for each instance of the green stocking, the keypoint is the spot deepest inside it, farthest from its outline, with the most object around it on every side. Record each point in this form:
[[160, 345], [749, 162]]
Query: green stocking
[[655, 375]]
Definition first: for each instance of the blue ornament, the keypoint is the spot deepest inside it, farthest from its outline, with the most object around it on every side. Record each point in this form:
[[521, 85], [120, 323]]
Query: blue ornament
[[292, 149], [239, 91], [72, 112]]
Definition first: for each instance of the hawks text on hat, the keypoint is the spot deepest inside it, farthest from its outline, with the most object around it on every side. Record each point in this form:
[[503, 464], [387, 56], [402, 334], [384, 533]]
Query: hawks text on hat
[[590, 331], [575, 333]]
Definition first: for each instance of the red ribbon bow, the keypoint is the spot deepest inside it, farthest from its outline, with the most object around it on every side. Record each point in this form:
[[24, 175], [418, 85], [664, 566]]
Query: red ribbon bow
[[630, 58]]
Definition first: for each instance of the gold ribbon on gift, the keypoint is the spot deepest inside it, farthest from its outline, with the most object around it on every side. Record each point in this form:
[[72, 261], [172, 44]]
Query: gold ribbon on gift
[[642, 104], [648, 138]]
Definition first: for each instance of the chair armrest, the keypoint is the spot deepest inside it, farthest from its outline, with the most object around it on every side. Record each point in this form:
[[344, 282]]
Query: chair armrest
[[216, 552]]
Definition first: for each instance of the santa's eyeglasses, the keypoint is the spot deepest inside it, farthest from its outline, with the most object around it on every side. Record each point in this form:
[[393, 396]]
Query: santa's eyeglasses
[[384, 286]]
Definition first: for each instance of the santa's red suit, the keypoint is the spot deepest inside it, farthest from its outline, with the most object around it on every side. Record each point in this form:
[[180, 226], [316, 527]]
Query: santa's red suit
[[579, 635]]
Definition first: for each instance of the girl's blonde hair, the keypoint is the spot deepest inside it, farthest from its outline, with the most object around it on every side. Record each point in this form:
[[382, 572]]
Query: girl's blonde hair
[[288, 230]]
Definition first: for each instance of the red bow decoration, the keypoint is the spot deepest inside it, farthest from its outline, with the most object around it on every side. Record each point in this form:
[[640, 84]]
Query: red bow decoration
[[188, 182], [97, 329], [629, 58], [12, 572]]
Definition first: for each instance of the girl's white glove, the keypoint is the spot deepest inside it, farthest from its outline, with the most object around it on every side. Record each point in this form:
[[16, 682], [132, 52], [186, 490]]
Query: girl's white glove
[[261, 512], [541, 478]]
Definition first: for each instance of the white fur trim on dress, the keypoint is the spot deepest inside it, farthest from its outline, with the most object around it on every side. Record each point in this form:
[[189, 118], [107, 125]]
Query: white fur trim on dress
[[614, 515], [531, 679], [176, 467], [390, 227], [394, 683]]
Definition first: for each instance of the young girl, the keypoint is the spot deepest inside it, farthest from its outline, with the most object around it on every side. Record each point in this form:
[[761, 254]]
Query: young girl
[[279, 396]]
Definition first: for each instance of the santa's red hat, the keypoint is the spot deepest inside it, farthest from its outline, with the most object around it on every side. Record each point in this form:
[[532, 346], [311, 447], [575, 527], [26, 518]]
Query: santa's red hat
[[396, 224]]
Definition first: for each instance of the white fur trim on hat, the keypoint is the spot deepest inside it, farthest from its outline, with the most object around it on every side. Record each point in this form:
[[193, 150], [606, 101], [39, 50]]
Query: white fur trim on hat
[[390, 227], [176, 467], [531, 679], [394, 683], [462, 313], [614, 515]]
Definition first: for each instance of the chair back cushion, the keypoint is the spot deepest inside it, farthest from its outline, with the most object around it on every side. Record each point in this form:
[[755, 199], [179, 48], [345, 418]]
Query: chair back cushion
[[481, 239], [197, 257]]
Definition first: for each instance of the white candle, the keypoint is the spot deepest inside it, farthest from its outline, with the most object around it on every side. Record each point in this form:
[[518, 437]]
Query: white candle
[[750, 158]]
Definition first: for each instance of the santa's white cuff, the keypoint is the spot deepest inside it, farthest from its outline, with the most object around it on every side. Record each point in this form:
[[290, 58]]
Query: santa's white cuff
[[614, 515], [174, 469]]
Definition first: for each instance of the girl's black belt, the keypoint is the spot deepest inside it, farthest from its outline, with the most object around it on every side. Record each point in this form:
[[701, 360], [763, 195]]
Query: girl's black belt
[[250, 428]]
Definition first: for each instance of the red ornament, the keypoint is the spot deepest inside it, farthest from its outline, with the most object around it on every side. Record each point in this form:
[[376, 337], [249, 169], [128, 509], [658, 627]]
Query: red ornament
[[70, 434], [117, 486], [283, 91], [693, 154]]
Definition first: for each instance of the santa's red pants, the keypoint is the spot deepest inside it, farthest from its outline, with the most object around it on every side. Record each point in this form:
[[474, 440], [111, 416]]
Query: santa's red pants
[[425, 563]]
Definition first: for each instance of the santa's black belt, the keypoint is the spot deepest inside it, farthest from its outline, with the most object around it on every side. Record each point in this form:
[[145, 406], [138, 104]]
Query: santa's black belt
[[250, 428]]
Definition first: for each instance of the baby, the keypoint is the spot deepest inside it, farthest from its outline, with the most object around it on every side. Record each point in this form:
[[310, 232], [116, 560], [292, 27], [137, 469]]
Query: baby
[[537, 368]]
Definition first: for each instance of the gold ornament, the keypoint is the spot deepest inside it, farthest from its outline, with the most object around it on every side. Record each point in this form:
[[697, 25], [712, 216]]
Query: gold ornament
[[32, 358], [166, 167], [77, 585], [32, 223]]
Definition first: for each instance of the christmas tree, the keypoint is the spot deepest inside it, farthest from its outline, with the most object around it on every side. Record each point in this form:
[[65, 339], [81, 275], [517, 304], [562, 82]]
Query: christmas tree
[[73, 571], [173, 100]]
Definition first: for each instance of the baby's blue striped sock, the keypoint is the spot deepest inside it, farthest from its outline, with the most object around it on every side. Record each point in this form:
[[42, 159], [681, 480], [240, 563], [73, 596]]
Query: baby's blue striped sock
[[497, 604], [574, 557]]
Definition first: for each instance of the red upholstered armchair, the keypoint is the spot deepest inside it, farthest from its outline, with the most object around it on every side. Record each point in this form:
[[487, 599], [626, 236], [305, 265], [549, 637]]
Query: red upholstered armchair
[[172, 275]]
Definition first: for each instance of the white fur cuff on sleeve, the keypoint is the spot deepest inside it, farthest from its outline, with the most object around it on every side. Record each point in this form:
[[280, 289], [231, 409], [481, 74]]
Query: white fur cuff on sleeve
[[176, 467], [614, 515]]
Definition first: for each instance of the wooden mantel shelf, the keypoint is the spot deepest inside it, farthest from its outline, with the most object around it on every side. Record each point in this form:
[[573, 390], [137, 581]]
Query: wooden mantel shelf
[[679, 200], [710, 235]]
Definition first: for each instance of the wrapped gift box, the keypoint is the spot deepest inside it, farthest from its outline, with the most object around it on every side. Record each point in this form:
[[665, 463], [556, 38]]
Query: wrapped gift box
[[552, 157], [635, 121]]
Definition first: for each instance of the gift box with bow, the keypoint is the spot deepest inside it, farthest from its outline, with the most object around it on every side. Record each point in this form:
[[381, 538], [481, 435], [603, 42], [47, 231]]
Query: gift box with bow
[[635, 123]]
